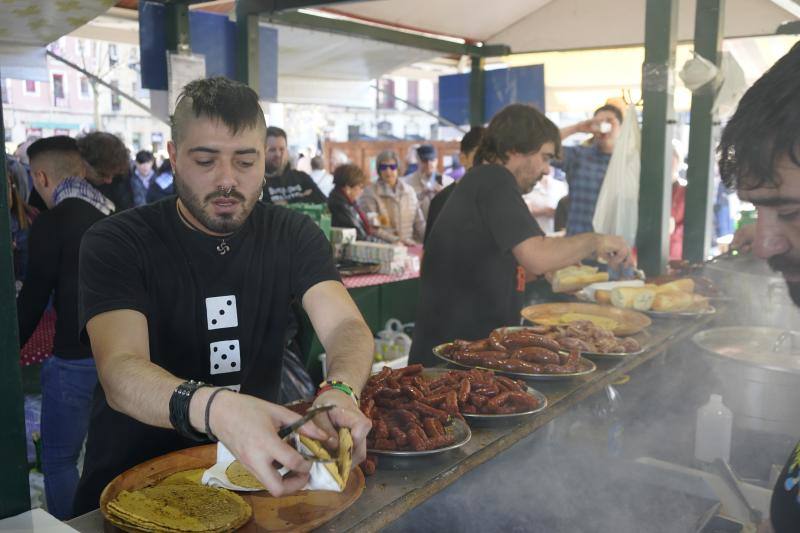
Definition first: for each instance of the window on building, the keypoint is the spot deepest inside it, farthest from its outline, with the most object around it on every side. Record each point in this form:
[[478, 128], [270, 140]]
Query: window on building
[[4, 90], [30, 86], [58, 88], [84, 87], [116, 101], [413, 92], [113, 58], [386, 98]]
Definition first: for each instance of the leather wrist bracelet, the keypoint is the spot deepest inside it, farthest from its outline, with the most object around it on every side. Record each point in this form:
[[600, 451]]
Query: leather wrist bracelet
[[179, 410]]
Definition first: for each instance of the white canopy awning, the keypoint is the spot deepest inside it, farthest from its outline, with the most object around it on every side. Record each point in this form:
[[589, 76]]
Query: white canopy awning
[[27, 26], [548, 25]]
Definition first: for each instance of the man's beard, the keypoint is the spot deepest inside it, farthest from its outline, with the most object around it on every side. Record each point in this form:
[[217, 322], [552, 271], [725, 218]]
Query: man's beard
[[782, 263], [273, 169], [226, 223]]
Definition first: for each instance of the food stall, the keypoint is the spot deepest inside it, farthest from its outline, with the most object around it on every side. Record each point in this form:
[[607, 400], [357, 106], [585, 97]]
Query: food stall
[[615, 447], [610, 446]]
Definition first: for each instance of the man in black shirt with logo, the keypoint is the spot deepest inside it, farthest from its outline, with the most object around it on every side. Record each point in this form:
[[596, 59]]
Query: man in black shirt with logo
[[760, 156], [283, 184], [197, 288], [486, 243]]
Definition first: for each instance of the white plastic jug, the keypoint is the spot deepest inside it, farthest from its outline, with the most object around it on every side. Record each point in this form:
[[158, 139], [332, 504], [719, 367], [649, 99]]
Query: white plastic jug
[[712, 438]]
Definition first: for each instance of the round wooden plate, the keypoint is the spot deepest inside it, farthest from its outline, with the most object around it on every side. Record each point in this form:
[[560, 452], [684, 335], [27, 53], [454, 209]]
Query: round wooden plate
[[302, 511], [628, 322]]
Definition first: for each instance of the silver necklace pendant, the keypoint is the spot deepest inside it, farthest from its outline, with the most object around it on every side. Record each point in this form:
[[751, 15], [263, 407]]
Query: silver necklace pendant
[[223, 247]]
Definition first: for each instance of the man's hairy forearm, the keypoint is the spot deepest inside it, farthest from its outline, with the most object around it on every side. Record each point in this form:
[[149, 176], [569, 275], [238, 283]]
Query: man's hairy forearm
[[350, 350], [138, 388]]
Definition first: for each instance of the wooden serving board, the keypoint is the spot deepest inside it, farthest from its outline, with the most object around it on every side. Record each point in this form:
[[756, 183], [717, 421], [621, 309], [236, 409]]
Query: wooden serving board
[[629, 322], [302, 511]]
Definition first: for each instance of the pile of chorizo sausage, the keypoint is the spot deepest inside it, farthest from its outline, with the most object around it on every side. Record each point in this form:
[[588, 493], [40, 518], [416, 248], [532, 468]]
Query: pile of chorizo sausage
[[585, 336], [409, 411], [527, 351]]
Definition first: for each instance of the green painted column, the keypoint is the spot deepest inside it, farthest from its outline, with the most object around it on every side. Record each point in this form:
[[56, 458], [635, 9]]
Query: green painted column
[[652, 239], [477, 92], [14, 491], [177, 24], [698, 221], [246, 45]]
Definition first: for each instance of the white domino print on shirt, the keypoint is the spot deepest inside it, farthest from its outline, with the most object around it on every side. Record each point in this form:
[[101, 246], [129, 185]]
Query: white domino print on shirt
[[225, 357], [221, 312]]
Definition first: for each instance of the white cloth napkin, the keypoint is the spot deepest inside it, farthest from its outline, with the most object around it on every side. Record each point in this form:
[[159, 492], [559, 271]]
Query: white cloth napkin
[[216, 476]]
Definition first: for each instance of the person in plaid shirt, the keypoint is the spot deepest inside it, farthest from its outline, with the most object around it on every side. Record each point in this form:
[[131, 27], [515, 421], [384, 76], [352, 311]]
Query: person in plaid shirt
[[586, 165]]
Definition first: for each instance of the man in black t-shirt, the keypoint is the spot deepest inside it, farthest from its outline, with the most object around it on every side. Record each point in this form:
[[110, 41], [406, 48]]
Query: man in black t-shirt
[[68, 377], [486, 242], [198, 287], [760, 156], [283, 184]]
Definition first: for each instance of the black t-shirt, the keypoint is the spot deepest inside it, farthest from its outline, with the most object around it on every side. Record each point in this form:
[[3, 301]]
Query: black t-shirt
[[785, 506], [471, 282], [437, 203], [216, 318], [53, 248], [293, 186]]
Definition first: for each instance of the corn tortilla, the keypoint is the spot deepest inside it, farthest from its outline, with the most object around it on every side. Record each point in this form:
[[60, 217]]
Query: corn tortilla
[[239, 475], [178, 508]]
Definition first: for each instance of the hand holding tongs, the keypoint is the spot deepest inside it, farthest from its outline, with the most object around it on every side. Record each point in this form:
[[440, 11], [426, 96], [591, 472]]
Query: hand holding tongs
[[286, 431]]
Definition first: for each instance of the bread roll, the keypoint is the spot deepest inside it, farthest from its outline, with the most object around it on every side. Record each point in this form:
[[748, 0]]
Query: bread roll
[[638, 298], [682, 285], [575, 281], [672, 301], [602, 297], [699, 303]]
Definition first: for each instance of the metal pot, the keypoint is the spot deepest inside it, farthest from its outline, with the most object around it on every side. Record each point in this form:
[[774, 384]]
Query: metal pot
[[757, 295], [759, 368]]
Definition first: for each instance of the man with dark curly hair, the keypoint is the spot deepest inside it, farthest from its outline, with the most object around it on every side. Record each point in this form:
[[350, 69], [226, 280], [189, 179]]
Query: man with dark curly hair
[[760, 157], [108, 167]]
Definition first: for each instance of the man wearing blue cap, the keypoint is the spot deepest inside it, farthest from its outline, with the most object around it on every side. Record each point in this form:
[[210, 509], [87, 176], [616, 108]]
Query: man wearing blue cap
[[426, 182]]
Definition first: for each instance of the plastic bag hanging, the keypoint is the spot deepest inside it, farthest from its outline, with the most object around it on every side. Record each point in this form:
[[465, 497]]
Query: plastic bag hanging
[[617, 210]]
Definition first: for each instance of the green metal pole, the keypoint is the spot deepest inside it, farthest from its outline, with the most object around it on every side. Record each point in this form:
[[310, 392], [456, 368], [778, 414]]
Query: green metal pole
[[246, 46], [177, 23], [477, 92], [698, 224], [14, 491], [660, 39]]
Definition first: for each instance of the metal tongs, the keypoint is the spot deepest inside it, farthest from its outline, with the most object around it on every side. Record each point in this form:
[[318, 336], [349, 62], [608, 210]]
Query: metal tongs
[[287, 431]]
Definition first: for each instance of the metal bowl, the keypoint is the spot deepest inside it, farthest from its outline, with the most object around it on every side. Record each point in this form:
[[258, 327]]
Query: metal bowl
[[540, 397], [457, 427], [587, 367]]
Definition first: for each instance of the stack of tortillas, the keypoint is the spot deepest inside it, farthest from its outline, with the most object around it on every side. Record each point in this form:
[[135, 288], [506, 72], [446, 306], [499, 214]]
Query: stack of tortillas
[[183, 507]]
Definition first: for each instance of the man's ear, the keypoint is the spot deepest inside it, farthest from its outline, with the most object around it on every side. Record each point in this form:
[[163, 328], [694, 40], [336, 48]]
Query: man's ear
[[40, 177]]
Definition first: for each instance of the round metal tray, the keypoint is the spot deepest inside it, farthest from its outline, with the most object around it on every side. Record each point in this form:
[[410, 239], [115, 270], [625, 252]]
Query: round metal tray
[[641, 336], [710, 310], [587, 367], [456, 427], [542, 399]]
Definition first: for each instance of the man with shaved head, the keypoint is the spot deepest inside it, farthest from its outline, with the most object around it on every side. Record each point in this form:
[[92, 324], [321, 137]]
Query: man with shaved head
[[186, 301], [69, 377]]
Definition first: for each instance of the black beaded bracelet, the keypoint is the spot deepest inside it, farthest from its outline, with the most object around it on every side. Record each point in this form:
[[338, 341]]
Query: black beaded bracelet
[[179, 410], [209, 433]]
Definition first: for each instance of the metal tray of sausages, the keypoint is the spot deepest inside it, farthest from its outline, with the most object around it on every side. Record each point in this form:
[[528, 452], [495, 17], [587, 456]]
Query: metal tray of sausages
[[643, 337], [586, 367], [487, 418], [456, 427]]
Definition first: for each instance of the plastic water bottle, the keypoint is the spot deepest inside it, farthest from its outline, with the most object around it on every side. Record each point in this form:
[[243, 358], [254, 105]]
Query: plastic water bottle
[[712, 439]]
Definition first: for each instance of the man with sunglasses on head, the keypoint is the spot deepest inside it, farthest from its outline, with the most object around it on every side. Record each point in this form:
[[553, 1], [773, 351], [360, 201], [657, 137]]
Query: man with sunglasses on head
[[186, 301]]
